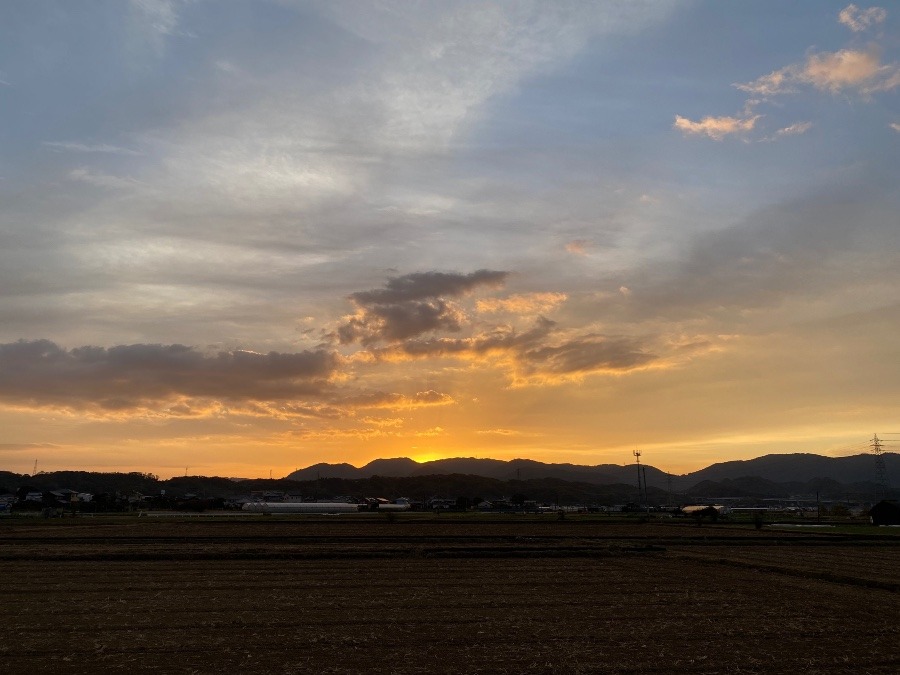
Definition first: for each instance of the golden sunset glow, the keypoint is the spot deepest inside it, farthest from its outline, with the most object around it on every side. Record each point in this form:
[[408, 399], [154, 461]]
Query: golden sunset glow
[[348, 231]]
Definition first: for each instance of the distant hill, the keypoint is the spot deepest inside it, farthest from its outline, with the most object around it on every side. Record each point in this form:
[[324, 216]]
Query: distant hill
[[771, 476], [516, 469], [799, 468]]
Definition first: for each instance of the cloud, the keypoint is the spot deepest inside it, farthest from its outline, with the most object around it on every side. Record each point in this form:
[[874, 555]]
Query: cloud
[[776, 82], [857, 19], [584, 355], [408, 307], [84, 147], [795, 129], [532, 303], [848, 69], [151, 23], [160, 15], [716, 128], [14, 448], [39, 373], [835, 72], [830, 71], [578, 247], [500, 432], [393, 401], [85, 175], [411, 305], [539, 355], [399, 321], [895, 126], [420, 285], [444, 60]]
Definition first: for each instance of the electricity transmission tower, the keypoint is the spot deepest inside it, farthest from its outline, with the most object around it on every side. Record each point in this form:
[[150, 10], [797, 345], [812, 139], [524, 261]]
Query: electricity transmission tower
[[881, 479]]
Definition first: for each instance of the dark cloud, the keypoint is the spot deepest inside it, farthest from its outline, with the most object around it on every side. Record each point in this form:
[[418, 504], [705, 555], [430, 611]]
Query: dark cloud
[[39, 372], [399, 322], [411, 305], [586, 355], [421, 285], [536, 352]]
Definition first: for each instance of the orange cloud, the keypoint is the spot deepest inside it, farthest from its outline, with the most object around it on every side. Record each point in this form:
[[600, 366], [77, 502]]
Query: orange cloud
[[534, 356], [578, 246], [531, 303], [502, 432], [830, 71], [843, 69], [421, 399], [716, 128]]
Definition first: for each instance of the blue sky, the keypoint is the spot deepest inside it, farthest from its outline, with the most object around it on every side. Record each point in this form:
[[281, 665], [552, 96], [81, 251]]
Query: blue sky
[[246, 235]]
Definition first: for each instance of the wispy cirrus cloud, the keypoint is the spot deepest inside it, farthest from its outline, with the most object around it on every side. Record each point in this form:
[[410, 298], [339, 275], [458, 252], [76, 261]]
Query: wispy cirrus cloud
[[104, 148], [103, 180], [444, 61], [858, 20]]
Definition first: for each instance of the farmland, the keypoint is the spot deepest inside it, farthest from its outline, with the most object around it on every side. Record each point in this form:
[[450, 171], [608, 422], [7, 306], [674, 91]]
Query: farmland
[[426, 594]]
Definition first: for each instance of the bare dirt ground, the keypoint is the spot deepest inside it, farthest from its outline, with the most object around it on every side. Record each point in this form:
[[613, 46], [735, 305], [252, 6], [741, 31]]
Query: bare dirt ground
[[425, 595]]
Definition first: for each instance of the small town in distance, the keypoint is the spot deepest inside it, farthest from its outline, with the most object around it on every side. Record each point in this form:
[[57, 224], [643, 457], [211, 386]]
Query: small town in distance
[[802, 487]]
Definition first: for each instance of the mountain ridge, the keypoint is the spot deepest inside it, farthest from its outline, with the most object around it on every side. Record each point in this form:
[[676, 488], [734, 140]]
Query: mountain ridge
[[780, 468]]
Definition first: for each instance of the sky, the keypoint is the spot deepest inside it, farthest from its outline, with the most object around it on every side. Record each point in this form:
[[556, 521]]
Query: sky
[[241, 237]]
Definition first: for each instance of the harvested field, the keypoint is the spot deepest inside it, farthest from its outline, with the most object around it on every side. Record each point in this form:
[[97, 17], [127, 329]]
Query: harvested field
[[439, 596]]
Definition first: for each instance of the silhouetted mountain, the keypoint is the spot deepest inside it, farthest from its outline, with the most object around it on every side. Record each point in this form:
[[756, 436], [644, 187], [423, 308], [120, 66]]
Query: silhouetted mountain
[[797, 468], [797, 475], [399, 466], [519, 469], [316, 471]]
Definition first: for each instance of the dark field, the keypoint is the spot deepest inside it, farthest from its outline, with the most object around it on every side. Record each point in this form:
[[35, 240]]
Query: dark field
[[442, 595]]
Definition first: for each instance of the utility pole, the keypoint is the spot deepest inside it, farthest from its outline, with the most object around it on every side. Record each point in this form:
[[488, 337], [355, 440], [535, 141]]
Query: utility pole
[[637, 456], [646, 496]]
